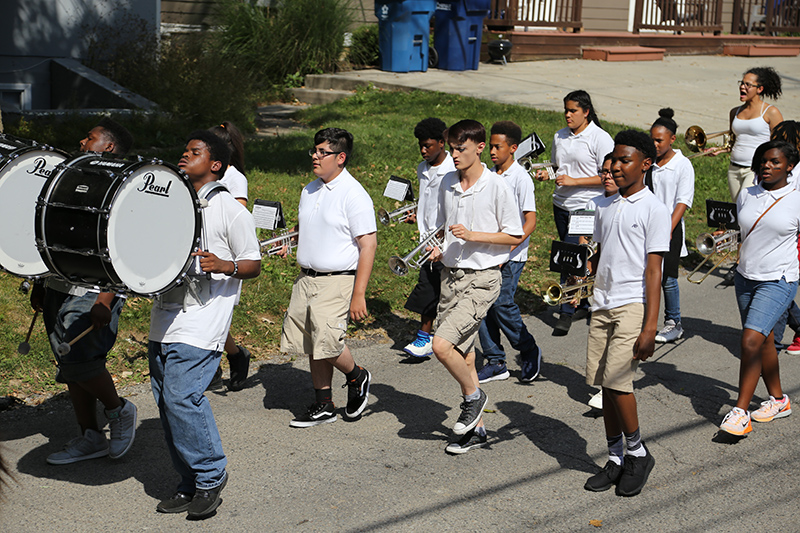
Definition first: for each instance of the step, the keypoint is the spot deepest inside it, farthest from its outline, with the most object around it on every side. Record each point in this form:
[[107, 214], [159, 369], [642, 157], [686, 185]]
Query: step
[[331, 81], [624, 53], [761, 50], [320, 96]]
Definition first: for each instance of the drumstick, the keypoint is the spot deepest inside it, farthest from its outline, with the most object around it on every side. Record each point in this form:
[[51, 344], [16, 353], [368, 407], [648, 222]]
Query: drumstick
[[24, 347], [65, 347]]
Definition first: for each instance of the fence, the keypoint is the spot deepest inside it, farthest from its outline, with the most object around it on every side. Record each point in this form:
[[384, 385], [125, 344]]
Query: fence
[[505, 14]]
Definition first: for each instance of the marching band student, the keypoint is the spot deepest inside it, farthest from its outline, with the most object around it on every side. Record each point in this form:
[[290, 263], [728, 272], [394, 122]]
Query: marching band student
[[577, 151], [68, 310], [673, 184], [188, 329], [504, 313], [766, 280], [482, 223], [632, 234], [436, 162], [335, 250], [235, 181]]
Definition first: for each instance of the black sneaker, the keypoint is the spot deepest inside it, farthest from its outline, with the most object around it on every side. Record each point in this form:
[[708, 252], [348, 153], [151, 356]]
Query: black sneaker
[[466, 443], [562, 326], [205, 502], [318, 413], [216, 381], [240, 364], [581, 313], [530, 365], [357, 394], [727, 280], [634, 474], [178, 503], [471, 413], [604, 479]]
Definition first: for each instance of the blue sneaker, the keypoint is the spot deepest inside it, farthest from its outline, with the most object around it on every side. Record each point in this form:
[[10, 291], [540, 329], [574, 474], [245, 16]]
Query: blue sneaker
[[422, 346], [493, 372], [531, 367]]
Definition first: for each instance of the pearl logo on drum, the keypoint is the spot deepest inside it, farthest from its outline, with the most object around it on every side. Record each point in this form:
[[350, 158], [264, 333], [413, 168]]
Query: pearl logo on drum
[[150, 187], [40, 168]]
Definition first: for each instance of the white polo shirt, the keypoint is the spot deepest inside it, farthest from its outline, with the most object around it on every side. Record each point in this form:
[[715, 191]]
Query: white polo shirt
[[429, 180], [487, 206], [235, 182], [331, 215], [579, 156], [673, 184], [627, 229], [770, 252], [521, 185]]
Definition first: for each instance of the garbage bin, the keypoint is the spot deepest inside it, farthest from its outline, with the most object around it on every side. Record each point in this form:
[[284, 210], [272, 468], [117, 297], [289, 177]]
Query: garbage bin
[[457, 32], [403, 33]]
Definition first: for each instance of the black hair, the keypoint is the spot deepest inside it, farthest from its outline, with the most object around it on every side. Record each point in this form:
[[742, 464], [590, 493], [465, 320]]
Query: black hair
[[464, 130], [217, 148], [430, 128], [769, 79], [512, 132], [665, 119], [608, 157], [639, 140], [339, 140], [117, 134], [789, 131], [229, 133], [789, 150], [584, 101]]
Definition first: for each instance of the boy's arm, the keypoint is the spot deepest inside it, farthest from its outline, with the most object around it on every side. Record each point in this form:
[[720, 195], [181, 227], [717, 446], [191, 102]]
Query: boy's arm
[[677, 215], [527, 227], [367, 244], [460, 232], [645, 344]]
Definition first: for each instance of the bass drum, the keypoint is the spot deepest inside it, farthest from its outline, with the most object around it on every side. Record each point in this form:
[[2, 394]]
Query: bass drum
[[122, 225], [24, 169]]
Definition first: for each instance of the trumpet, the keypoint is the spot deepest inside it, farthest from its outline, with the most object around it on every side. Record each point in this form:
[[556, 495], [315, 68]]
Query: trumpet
[[418, 256], [401, 214], [528, 164], [696, 139], [557, 294], [707, 244], [276, 244]]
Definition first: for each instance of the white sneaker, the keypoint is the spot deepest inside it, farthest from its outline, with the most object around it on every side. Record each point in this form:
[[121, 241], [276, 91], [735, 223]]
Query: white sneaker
[[596, 401], [671, 332], [122, 426], [422, 346], [91, 445]]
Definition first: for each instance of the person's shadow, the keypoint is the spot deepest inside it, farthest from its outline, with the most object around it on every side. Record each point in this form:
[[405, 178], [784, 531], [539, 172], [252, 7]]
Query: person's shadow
[[422, 418]]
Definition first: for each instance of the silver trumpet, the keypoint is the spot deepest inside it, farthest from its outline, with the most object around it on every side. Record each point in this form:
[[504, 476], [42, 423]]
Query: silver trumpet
[[528, 164], [557, 294], [418, 256], [707, 244], [274, 245], [401, 213]]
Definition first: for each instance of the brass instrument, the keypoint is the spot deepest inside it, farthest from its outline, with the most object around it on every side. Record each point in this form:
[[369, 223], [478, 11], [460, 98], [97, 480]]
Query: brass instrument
[[557, 294], [528, 164], [276, 244], [419, 255], [708, 245], [696, 139], [401, 214]]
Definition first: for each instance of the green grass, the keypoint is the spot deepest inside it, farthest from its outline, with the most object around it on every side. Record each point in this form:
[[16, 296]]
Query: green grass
[[278, 168]]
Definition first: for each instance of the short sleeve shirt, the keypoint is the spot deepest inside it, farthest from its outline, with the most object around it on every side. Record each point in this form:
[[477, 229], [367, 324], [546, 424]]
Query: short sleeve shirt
[[673, 184], [429, 180], [579, 156], [521, 185], [235, 182]]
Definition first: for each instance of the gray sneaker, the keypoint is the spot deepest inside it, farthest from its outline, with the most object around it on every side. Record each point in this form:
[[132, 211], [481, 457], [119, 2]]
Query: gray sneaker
[[122, 426], [471, 413], [671, 332], [91, 445]]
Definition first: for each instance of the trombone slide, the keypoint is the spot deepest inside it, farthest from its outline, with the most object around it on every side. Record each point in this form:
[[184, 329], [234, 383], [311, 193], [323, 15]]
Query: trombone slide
[[419, 255], [708, 245]]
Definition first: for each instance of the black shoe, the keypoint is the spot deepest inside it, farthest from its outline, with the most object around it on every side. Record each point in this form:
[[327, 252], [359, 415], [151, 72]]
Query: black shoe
[[604, 479], [471, 413], [178, 503], [318, 413], [205, 502], [357, 394], [216, 381], [240, 364], [634, 474], [468, 442], [727, 281], [581, 313], [562, 326]]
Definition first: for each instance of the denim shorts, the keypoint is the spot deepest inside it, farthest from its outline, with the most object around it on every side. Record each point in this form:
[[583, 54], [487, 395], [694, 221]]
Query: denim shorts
[[761, 303]]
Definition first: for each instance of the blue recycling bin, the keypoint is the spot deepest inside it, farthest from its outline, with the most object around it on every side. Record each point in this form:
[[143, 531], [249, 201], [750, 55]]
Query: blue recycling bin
[[403, 33], [457, 32]]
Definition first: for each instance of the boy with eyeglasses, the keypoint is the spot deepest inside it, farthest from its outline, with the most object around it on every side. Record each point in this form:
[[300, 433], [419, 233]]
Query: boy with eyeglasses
[[335, 250]]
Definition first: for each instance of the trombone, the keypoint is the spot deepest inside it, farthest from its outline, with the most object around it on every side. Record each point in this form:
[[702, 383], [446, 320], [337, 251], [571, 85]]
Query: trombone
[[401, 214], [276, 244], [528, 164], [557, 294], [696, 139], [707, 244], [419, 255]]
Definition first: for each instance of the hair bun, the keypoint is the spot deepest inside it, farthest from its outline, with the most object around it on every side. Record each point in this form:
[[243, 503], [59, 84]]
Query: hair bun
[[666, 112]]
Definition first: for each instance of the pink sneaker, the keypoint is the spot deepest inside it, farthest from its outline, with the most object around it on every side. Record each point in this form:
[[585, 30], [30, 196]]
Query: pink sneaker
[[794, 348]]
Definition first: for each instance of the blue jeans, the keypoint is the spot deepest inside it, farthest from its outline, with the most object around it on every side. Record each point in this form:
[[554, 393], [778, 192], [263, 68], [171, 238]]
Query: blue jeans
[[790, 316], [761, 303], [672, 299], [504, 315], [179, 375], [561, 218]]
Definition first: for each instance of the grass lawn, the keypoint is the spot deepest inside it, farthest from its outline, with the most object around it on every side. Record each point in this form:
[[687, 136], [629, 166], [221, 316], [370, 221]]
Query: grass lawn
[[278, 167]]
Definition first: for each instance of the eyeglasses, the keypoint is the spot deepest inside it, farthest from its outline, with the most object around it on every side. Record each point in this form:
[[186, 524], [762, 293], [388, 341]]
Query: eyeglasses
[[320, 153], [605, 172], [749, 85]]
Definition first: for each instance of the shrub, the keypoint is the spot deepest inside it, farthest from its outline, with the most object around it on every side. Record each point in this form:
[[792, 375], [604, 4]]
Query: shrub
[[365, 48]]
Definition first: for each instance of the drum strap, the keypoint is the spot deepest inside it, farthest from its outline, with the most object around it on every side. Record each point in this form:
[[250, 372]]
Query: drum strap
[[210, 189]]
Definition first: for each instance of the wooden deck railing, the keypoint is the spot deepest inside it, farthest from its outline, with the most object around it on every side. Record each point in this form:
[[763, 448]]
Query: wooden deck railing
[[678, 15], [505, 14], [771, 18]]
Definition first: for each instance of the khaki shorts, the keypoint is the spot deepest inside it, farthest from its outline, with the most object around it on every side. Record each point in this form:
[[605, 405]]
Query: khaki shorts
[[609, 355], [316, 320], [466, 297]]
